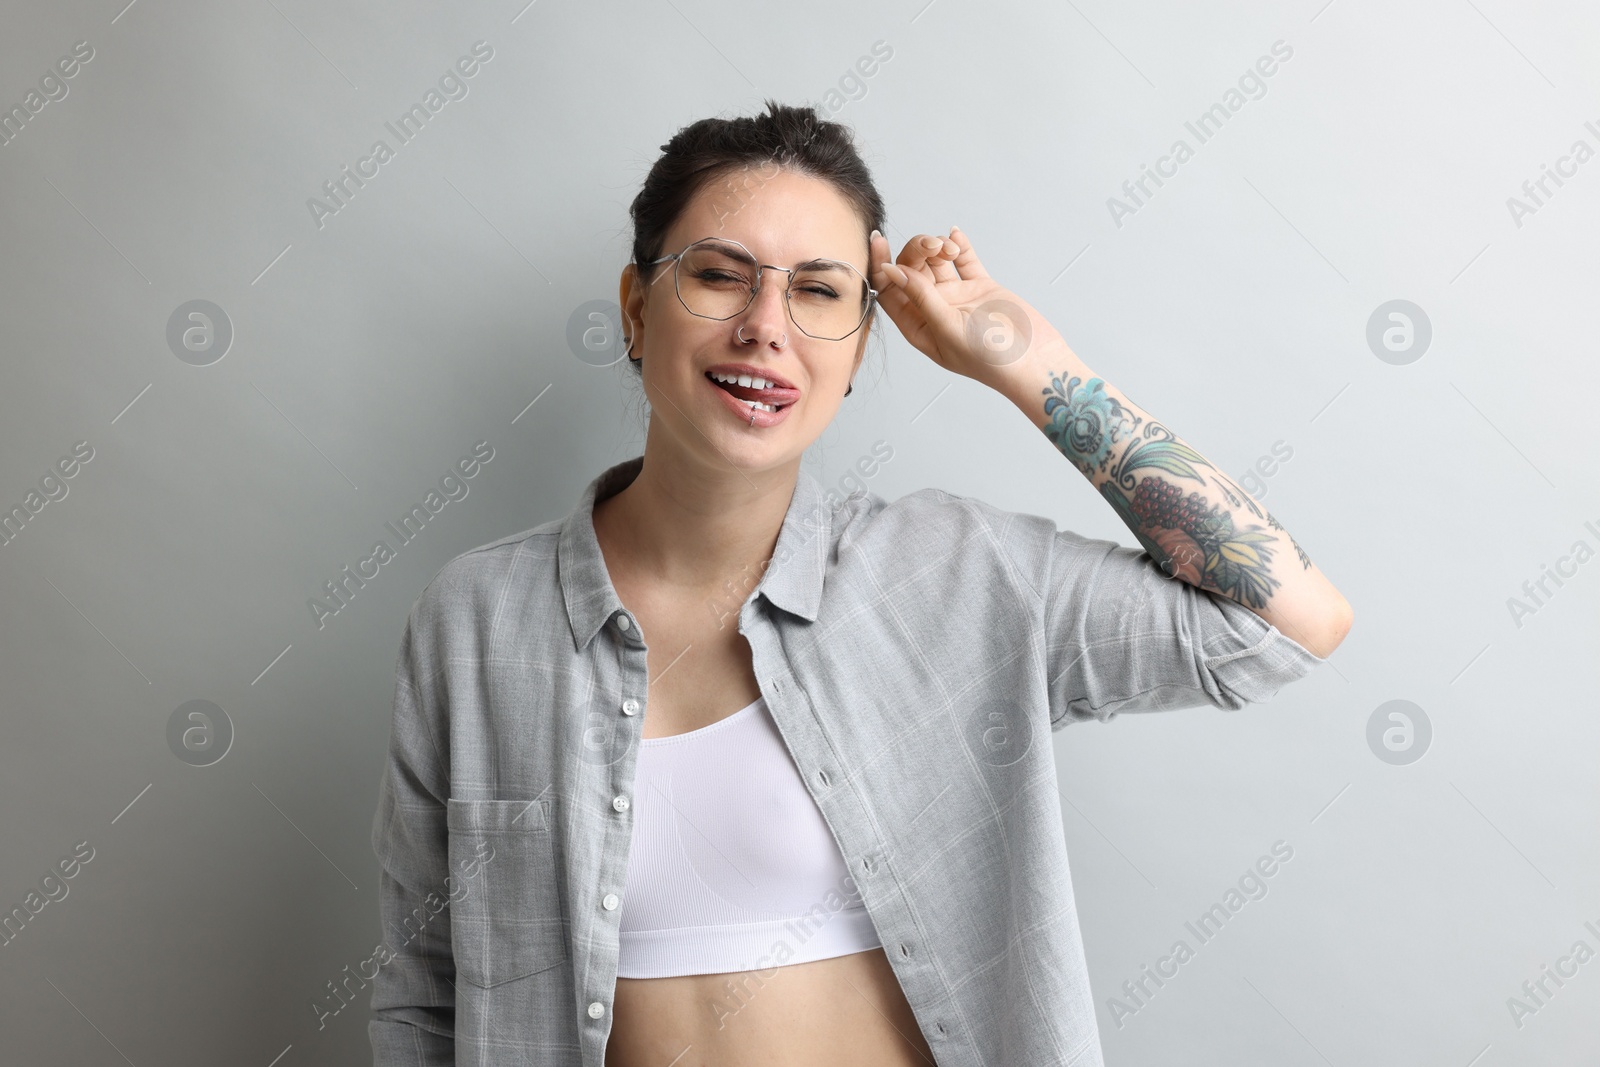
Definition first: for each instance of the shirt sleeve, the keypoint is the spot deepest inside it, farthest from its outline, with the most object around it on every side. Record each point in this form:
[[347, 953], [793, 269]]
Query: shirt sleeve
[[1122, 636], [413, 996]]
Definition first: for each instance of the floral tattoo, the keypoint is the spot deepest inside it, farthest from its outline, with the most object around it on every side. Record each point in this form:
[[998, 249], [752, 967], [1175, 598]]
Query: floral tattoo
[[1188, 537]]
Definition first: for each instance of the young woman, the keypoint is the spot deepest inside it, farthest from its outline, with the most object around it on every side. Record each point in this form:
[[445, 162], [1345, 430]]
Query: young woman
[[717, 770]]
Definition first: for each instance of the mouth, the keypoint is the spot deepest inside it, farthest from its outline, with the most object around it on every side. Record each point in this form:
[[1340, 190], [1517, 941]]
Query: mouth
[[748, 385]]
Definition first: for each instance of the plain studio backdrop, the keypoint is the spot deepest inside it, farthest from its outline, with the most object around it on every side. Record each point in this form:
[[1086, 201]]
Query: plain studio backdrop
[[1367, 285]]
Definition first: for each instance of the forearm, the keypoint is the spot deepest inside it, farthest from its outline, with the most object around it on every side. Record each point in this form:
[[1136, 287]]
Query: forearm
[[1192, 519]]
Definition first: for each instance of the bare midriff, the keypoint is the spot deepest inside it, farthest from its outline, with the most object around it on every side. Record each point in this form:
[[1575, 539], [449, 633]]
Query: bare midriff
[[846, 1011]]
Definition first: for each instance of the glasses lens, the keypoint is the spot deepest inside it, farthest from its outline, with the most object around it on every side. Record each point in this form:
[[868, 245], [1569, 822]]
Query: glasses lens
[[828, 299], [715, 279]]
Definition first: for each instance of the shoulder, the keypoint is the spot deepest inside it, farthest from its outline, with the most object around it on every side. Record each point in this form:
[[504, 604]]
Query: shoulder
[[470, 586], [934, 524]]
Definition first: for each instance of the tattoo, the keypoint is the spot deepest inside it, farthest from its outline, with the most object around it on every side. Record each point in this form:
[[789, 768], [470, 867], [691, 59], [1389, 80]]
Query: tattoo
[[1305, 560], [1188, 537], [1085, 422]]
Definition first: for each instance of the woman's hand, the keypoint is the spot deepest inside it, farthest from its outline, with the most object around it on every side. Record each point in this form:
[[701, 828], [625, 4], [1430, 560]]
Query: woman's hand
[[943, 301]]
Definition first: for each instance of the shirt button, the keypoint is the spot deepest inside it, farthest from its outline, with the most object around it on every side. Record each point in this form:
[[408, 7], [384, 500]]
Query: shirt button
[[630, 706], [609, 902], [624, 623], [596, 1009], [620, 803]]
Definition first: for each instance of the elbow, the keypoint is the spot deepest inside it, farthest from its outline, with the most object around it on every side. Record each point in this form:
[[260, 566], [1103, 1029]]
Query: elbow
[[1334, 629]]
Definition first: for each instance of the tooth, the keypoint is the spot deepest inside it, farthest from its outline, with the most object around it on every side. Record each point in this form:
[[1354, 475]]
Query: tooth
[[744, 379]]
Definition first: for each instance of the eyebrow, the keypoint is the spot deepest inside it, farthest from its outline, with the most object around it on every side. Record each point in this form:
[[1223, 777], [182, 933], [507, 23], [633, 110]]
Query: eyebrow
[[809, 264]]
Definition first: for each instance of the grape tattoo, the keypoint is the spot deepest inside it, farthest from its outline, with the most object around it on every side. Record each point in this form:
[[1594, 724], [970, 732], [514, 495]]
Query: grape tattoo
[[1188, 537]]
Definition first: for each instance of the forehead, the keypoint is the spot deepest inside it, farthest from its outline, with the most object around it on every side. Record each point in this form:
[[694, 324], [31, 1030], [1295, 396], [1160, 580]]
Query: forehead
[[782, 216]]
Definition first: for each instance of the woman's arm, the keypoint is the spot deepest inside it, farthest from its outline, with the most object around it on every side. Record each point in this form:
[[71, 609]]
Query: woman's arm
[[1192, 519]]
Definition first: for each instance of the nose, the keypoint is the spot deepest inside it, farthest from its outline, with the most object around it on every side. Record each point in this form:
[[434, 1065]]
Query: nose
[[766, 320]]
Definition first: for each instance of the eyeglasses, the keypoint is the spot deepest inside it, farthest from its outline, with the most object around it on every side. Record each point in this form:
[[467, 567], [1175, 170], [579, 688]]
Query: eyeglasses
[[718, 278]]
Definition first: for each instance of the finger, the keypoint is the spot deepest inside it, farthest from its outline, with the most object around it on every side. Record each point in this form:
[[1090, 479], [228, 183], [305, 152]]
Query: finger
[[915, 255], [966, 262], [918, 289], [877, 256], [942, 261]]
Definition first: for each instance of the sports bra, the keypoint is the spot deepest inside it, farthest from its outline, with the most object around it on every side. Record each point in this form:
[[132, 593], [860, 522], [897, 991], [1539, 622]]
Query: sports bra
[[731, 865]]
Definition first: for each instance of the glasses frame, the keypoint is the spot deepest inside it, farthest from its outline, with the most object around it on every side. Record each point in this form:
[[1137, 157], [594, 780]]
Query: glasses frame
[[761, 269]]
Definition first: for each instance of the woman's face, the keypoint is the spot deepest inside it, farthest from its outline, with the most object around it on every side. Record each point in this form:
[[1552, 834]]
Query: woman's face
[[784, 219]]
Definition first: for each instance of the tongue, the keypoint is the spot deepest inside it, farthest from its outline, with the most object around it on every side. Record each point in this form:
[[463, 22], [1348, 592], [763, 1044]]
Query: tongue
[[774, 395]]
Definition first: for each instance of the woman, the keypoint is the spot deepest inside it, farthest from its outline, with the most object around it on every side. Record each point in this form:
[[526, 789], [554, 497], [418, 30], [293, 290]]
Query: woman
[[715, 771]]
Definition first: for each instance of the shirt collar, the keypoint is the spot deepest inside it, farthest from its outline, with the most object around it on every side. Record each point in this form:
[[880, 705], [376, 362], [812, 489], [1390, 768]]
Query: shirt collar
[[792, 580]]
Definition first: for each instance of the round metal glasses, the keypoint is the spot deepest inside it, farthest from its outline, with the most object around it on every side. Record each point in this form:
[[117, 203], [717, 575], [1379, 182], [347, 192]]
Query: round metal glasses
[[718, 278]]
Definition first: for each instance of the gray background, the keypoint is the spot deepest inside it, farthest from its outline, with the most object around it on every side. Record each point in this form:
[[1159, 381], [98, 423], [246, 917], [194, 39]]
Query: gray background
[[370, 353]]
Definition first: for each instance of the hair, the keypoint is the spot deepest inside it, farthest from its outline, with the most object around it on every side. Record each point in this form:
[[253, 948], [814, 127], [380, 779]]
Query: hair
[[704, 151]]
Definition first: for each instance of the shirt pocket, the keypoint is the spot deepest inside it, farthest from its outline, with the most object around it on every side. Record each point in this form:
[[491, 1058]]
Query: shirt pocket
[[508, 921]]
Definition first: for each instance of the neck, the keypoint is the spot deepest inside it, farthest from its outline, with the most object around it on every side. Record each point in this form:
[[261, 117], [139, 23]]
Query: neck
[[691, 527]]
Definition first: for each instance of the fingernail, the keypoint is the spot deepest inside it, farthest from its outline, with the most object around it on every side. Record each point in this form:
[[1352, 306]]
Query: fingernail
[[875, 235]]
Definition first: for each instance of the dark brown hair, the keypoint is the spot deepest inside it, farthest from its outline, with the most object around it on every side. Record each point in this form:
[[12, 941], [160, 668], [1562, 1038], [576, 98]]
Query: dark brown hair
[[704, 151]]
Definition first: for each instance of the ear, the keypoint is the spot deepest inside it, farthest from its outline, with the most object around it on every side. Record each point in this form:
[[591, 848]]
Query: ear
[[861, 348], [631, 299]]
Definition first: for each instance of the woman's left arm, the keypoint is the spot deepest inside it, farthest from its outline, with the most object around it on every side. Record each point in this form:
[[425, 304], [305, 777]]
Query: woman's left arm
[[1193, 520]]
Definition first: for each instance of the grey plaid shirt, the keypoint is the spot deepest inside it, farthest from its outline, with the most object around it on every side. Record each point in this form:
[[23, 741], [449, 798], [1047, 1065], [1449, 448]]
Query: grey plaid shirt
[[915, 655]]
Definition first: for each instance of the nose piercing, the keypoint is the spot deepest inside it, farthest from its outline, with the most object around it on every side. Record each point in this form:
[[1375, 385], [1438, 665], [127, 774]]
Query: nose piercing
[[740, 334]]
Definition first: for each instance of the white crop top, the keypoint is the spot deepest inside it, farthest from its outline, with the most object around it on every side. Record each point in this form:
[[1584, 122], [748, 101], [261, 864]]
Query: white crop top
[[731, 866]]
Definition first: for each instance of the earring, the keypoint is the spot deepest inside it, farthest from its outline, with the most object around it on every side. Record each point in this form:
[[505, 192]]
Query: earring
[[850, 388]]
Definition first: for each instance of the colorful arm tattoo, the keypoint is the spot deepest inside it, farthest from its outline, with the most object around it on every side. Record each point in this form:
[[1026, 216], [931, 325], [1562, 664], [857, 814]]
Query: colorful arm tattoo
[[1188, 536]]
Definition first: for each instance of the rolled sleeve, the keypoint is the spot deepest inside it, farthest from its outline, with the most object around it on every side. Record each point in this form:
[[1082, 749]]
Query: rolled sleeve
[[1122, 636], [413, 998]]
